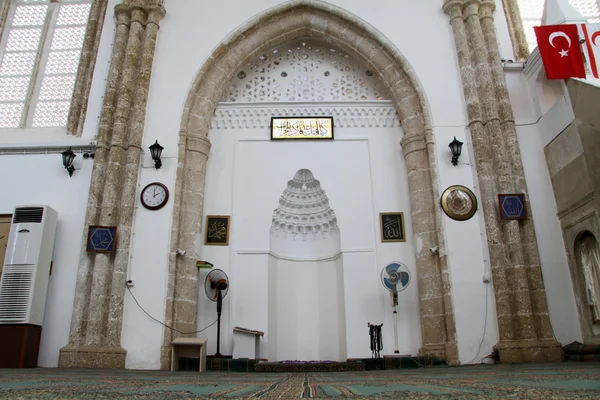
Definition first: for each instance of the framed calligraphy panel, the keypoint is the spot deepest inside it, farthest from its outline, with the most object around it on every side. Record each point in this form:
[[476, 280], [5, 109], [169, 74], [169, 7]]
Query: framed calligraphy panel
[[392, 227], [102, 239], [512, 206], [301, 128], [217, 230]]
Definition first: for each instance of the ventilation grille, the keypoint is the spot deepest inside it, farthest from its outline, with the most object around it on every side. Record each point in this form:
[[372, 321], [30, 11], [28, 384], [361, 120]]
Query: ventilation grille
[[29, 214], [15, 290]]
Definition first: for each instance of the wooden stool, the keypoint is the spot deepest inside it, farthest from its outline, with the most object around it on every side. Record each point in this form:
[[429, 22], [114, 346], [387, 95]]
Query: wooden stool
[[188, 347]]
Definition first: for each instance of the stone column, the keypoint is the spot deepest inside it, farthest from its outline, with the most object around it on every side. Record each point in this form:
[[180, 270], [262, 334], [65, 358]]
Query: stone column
[[4, 7], [523, 321], [85, 70], [98, 308], [183, 273], [512, 14], [528, 240], [438, 329]]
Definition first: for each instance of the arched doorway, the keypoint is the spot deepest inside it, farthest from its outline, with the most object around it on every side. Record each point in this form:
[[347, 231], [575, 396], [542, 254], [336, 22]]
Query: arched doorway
[[332, 25]]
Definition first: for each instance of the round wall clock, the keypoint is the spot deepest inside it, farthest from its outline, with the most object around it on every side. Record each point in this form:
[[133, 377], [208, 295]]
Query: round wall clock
[[154, 196], [459, 203]]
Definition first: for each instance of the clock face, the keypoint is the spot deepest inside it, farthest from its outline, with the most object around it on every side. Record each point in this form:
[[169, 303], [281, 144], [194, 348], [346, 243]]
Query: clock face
[[155, 196]]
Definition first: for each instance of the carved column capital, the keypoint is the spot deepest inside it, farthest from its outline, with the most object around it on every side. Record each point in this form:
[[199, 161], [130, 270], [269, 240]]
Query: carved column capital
[[486, 9], [139, 12], [413, 143], [453, 8], [122, 14], [199, 144], [155, 14], [471, 8]]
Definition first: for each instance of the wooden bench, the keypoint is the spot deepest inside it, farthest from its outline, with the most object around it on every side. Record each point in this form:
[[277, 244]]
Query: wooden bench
[[188, 347]]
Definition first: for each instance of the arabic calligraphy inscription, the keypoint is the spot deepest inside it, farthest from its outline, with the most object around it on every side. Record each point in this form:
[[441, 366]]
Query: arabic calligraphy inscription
[[301, 128], [217, 230], [392, 227], [101, 239]]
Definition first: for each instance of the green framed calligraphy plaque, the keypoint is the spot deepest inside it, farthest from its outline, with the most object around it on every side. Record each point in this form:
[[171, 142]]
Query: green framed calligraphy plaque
[[302, 128], [392, 227], [217, 230]]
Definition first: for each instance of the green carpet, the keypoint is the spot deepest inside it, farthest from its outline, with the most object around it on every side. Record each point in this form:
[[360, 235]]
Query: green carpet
[[568, 380]]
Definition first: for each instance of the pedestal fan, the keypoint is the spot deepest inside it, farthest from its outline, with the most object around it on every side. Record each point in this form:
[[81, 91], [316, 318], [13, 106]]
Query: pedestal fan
[[395, 277], [216, 287]]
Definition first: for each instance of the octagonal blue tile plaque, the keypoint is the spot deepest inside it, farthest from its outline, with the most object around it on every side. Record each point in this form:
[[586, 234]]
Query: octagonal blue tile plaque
[[512, 206], [102, 239]]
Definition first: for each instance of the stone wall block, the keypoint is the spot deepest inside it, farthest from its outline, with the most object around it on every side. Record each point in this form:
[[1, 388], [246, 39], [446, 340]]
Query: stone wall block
[[432, 306], [525, 326], [506, 327], [97, 308], [192, 221], [401, 90], [202, 107], [503, 307], [535, 278], [414, 125], [198, 123], [543, 326], [539, 302], [409, 107], [433, 329]]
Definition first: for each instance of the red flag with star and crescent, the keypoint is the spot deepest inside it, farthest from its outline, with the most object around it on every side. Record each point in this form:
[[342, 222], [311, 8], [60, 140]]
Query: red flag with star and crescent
[[560, 51], [591, 34]]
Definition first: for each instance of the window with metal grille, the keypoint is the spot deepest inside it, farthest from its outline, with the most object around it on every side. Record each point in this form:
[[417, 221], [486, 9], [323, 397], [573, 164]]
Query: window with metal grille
[[39, 56], [532, 12]]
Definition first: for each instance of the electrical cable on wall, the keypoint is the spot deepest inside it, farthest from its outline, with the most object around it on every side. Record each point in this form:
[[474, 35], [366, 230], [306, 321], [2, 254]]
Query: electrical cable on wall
[[162, 323]]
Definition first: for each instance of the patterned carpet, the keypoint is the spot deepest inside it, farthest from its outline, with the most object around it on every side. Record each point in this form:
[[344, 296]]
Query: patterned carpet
[[569, 380]]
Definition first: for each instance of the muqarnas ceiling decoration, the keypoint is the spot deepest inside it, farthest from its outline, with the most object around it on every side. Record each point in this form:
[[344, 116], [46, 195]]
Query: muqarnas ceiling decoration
[[304, 225]]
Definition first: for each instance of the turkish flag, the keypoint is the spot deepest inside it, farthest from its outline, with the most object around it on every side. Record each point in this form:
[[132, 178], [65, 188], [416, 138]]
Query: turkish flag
[[591, 34], [560, 51]]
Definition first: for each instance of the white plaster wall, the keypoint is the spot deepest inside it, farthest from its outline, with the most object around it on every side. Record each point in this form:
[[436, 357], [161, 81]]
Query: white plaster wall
[[187, 36], [41, 179], [468, 257], [247, 183], [189, 33], [306, 310], [182, 47]]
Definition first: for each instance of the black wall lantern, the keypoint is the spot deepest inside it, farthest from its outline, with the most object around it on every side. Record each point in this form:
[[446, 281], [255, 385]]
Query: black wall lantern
[[456, 148], [68, 157], [155, 151]]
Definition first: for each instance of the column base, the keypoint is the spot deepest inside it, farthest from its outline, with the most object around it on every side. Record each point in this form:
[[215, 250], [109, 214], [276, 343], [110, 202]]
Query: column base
[[434, 351], [523, 351], [92, 357], [452, 353], [165, 358]]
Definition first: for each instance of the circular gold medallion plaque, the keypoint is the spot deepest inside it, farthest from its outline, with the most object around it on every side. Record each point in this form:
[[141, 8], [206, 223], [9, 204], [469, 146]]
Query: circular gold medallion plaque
[[459, 203]]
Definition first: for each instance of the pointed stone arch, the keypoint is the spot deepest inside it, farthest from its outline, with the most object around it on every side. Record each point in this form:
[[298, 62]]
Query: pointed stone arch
[[321, 21]]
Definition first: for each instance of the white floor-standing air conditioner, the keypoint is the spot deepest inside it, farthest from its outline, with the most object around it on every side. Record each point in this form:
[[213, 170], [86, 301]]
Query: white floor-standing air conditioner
[[27, 263]]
